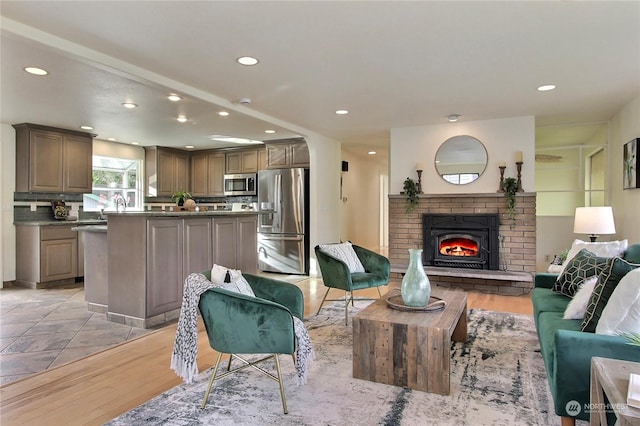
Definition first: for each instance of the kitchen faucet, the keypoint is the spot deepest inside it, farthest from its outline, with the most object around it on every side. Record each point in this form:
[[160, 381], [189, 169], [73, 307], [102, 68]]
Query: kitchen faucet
[[120, 202]]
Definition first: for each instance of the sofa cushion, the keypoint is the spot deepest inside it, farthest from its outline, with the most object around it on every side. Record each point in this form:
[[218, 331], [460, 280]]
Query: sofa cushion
[[548, 324], [584, 265], [547, 300], [632, 254], [622, 312], [608, 279], [599, 248]]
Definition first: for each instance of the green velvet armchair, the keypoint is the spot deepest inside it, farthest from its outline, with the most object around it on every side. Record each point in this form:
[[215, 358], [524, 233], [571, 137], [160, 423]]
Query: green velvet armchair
[[336, 274], [239, 324]]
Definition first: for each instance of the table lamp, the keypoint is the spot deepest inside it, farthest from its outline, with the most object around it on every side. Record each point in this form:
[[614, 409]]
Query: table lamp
[[594, 221]]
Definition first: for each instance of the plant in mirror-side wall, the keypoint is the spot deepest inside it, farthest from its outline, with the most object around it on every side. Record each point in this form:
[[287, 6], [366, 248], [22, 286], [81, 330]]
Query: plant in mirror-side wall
[[510, 189], [179, 197], [411, 195]]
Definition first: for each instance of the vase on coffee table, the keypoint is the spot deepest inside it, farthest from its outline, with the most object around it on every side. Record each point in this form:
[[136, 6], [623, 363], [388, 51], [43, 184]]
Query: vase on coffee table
[[416, 288]]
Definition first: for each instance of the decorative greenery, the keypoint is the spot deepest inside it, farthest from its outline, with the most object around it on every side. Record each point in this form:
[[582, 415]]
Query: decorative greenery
[[633, 338], [563, 254], [179, 197], [510, 189], [411, 194]]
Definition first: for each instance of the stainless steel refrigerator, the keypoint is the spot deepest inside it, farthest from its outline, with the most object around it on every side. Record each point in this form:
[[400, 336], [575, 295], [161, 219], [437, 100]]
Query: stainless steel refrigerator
[[283, 225]]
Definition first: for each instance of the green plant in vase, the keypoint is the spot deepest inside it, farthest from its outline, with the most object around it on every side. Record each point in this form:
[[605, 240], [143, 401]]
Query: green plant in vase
[[510, 190], [633, 338], [411, 195], [179, 197]]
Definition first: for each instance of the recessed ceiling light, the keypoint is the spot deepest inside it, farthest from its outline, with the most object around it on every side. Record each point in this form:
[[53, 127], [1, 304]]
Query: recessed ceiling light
[[269, 131], [453, 117], [182, 119], [111, 139], [135, 143], [174, 98], [342, 112], [129, 105], [546, 87], [372, 153], [247, 60], [36, 71], [189, 146], [86, 127], [223, 113]]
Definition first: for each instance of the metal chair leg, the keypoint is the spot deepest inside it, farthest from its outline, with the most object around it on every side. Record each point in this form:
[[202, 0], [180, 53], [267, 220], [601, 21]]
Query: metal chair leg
[[379, 294], [346, 308], [323, 299], [213, 377], [284, 400], [229, 365]]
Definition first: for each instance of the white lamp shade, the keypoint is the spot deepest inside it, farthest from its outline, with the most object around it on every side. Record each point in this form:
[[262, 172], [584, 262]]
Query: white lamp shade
[[594, 221]]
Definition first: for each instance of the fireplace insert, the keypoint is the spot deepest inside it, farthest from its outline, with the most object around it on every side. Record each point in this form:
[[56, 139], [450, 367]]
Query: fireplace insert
[[461, 240]]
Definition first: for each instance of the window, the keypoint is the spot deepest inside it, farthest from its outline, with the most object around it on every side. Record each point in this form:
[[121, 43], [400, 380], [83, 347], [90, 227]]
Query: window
[[116, 182]]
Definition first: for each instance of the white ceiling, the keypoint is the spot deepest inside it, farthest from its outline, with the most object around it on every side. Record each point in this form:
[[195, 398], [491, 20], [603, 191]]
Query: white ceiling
[[391, 64]]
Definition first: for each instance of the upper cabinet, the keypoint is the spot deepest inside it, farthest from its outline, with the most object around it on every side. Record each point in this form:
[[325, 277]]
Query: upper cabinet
[[287, 153], [49, 159], [207, 174], [166, 171], [242, 161]]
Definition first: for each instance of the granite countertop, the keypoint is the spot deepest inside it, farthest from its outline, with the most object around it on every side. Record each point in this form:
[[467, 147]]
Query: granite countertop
[[167, 213], [82, 222]]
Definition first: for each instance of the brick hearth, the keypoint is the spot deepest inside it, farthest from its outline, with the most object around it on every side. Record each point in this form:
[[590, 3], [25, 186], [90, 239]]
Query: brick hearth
[[518, 253]]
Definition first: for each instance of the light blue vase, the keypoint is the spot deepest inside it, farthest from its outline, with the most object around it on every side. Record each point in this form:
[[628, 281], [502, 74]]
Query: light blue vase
[[416, 288]]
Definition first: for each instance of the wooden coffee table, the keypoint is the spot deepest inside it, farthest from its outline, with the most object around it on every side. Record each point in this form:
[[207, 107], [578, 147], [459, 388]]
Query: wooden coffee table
[[410, 349]]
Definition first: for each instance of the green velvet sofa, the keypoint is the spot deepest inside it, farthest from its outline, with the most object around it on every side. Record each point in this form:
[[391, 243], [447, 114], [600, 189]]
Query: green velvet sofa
[[566, 350]]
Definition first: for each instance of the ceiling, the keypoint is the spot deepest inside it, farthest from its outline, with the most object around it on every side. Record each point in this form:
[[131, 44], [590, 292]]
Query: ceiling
[[390, 64]]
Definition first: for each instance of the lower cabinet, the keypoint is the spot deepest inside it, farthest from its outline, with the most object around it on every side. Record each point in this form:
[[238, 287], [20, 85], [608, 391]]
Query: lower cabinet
[[233, 242], [46, 255], [164, 265]]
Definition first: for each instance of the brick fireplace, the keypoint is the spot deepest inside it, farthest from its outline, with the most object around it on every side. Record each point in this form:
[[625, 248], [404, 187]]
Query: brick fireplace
[[516, 252]]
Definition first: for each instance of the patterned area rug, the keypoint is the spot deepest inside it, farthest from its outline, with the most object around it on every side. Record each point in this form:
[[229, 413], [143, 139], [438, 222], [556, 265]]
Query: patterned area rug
[[497, 378]]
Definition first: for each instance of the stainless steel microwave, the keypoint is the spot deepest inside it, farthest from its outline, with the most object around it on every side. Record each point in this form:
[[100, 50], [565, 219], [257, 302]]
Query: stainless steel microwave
[[240, 184]]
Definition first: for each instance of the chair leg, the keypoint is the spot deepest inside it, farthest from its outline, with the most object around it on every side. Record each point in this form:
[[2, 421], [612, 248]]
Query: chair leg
[[379, 294], [323, 299], [213, 377], [284, 400], [346, 308], [229, 365]]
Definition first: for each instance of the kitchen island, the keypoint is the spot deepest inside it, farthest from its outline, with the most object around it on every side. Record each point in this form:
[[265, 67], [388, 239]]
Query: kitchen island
[[150, 254]]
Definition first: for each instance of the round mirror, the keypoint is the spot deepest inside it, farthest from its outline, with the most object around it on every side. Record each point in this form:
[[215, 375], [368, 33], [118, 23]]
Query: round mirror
[[461, 159]]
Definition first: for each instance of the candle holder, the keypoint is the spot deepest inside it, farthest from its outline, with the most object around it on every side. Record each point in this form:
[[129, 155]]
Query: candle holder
[[501, 187], [419, 181], [519, 184]]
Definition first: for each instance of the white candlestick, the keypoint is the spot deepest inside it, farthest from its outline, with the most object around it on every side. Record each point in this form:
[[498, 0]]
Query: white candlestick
[[518, 156], [502, 164], [419, 166]]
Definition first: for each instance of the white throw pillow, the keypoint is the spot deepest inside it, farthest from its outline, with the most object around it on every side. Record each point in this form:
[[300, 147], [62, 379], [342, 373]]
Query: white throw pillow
[[344, 252], [600, 249], [621, 314], [578, 305], [233, 282]]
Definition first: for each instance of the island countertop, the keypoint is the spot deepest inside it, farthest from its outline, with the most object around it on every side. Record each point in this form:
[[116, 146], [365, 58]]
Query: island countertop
[[189, 213]]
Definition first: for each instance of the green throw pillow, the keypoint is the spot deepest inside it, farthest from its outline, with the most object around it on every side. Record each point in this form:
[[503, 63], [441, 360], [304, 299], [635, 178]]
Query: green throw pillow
[[583, 265], [615, 268]]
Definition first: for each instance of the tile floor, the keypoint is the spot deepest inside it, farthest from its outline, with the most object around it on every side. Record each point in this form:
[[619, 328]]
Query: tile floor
[[42, 329]]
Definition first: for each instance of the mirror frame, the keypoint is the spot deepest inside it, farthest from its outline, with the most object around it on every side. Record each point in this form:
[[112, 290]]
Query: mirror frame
[[470, 144]]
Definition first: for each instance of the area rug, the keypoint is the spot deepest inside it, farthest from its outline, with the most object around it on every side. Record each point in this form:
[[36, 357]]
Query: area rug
[[497, 378]]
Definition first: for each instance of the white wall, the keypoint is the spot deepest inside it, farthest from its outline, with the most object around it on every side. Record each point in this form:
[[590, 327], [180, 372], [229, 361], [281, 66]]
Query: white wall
[[625, 126], [360, 205], [7, 188], [501, 137]]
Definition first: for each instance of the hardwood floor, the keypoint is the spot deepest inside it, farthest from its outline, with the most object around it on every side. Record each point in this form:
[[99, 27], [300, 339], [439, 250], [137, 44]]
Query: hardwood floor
[[104, 385]]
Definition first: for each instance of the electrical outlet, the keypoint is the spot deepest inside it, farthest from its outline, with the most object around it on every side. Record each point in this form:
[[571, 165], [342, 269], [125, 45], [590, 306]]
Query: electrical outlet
[[547, 258], [33, 207]]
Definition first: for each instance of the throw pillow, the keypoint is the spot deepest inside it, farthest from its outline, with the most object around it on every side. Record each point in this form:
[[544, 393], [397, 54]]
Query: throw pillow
[[578, 305], [602, 249], [218, 273], [622, 312], [615, 268], [584, 265], [345, 253], [234, 281]]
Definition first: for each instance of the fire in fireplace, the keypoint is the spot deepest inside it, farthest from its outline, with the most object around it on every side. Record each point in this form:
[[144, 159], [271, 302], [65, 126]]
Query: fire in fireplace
[[461, 240]]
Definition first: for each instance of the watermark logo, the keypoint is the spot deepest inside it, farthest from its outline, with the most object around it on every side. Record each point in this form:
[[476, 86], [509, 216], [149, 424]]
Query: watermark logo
[[573, 408]]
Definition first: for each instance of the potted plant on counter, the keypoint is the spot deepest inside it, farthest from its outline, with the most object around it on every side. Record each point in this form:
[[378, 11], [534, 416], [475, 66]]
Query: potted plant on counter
[[179, 197]]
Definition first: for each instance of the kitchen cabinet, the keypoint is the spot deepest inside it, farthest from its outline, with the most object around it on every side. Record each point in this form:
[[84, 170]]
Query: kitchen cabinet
[[164, 265], [49, 159], [242, 161], [166, 171], [207, 174], [262, 159], [233, 241], [46, 255], [287, 153]]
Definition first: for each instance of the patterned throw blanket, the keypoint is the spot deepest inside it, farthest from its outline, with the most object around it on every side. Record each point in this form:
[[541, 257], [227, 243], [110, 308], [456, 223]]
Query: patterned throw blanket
[[185, 348]]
